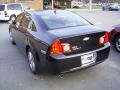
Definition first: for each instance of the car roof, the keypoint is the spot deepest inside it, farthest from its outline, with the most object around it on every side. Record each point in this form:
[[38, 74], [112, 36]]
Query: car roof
[[48, 12], [2, 4], [9, 3]]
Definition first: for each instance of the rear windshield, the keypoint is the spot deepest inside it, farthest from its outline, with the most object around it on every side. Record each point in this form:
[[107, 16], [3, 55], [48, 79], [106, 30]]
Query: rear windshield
[[2, 7], [63, 20], [14, 7]]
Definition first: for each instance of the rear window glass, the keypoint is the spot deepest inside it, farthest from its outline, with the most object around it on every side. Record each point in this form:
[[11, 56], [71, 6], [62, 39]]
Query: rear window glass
[[14, 7], [2, 7], [62, 20]]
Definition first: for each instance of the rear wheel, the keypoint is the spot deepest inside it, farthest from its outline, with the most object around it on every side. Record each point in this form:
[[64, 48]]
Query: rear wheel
[[103, 9], [11, 38], [117, 10], [33, 62], [117, 43]]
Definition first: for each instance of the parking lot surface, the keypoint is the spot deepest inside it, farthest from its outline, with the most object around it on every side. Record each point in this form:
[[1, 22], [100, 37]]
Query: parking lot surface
[[15, 73]]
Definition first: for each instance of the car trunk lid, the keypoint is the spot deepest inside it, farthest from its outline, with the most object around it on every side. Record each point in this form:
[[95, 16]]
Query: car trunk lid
[[83, 43], [82, 38]]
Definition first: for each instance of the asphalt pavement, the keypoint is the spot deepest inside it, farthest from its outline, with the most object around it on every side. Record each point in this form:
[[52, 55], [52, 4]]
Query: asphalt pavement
[[103, 19], [15, 73]]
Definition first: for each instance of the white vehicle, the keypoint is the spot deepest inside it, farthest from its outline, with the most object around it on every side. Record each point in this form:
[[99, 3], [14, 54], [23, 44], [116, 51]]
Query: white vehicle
[[11, 10], [111, 6]]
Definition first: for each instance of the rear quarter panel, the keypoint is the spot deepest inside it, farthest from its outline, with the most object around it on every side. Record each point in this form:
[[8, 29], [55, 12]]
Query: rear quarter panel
[[40, 48]]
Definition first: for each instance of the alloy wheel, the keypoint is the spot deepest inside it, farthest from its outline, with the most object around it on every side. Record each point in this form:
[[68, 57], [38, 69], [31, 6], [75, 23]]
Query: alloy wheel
[[31, 61], [11, 38], [118, 44]]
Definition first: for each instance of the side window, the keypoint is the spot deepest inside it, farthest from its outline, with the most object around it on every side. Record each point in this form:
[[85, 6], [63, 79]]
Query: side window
[[10, 7], [19, 18], [25, 21], [14, 7], [2, 7], [31, 26]]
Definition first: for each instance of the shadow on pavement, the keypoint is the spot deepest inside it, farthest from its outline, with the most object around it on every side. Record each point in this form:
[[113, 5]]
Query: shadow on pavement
[[3, 22]]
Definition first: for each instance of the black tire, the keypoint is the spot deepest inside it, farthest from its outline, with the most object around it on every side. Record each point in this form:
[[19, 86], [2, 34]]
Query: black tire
[[110, 9], [117, 10], [33, 63], [117, 43], [103, 9], [11, 38]]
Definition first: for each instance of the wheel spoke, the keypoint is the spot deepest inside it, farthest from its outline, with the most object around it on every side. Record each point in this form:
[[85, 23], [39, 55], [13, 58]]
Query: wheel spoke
[[118, 46], [11, 36], [31, 61]]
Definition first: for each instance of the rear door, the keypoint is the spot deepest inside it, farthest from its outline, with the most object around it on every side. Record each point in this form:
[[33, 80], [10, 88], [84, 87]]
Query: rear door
[[2, 9], [14, 9], [15, 27], [22, 32]]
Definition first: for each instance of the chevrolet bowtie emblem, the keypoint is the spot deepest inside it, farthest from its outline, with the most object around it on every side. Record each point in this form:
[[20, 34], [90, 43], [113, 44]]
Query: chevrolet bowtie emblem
[[86, 39]]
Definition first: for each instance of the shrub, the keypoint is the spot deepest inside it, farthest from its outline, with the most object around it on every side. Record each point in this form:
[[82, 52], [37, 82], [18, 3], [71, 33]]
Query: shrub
[[62, 7], [76, 7]]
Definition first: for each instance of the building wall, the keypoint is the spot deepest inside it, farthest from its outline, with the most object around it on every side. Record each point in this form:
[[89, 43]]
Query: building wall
[[1, 1], [35, 4], [6, 1]]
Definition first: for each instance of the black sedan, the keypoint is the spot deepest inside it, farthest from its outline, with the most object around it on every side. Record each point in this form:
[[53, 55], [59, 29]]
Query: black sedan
[[60, 41]]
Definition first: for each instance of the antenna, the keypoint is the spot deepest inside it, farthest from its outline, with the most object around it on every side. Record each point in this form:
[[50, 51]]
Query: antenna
[[55, 11]]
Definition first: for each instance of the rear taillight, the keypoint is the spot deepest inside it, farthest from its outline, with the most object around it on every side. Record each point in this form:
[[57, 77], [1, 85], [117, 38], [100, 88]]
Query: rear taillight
[[59, 48], [104, 39], [5, 13]]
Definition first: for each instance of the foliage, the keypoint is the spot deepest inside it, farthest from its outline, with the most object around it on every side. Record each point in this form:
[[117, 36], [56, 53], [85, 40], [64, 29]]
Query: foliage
[[62, 7], [76, 7]]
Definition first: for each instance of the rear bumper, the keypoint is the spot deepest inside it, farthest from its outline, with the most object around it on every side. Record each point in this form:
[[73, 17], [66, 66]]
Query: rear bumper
[[61, 64], [4, 18]]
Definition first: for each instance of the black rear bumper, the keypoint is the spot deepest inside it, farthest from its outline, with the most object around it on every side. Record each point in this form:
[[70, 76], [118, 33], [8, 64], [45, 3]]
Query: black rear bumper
[[62, 63]]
